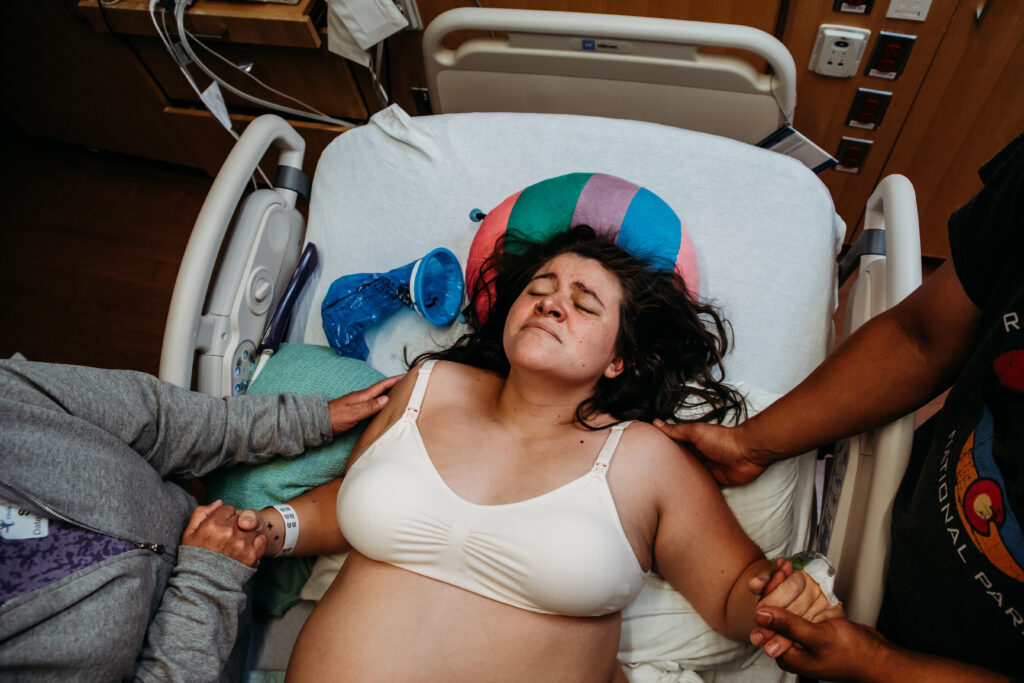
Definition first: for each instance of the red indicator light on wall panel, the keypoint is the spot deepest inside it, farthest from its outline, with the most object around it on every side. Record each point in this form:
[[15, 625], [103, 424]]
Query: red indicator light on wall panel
[[890, 55], [851, 154], [868, 108], [892, 51]]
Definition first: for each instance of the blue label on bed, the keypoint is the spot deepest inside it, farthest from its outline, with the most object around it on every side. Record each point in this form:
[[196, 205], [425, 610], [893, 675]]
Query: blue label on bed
[[601, 45]]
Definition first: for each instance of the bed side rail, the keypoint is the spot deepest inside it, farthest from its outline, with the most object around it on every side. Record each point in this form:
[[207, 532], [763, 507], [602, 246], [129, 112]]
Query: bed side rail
[[867, 469], [601, 64], [268, 230]]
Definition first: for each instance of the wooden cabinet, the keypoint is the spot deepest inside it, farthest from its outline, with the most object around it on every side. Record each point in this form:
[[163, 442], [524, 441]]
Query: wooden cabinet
[[99, 76], [236, 22]]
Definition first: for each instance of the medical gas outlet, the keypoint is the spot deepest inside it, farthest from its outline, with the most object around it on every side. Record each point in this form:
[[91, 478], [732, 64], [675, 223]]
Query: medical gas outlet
[[838, 50]]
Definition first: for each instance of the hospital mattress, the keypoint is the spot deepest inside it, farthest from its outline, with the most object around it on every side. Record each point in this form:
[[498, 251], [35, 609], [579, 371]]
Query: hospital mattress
[[766, 236]]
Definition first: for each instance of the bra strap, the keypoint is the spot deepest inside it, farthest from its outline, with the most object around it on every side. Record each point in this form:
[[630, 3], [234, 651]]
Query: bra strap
[[604, 458], [419, 389]]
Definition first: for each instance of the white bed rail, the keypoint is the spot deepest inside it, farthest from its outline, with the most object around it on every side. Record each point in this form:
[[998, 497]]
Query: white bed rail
[[604, 65], [868, 468], [187, 330]]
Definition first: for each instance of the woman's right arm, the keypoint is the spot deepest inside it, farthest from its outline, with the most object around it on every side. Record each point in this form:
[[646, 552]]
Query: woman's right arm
[[318, 532]]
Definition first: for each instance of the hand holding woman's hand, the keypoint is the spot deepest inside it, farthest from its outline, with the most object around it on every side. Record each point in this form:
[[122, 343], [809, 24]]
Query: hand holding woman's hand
[[795, 591], [268, 524], [832, 649], [216, 527], [349, 410], [719, 449]]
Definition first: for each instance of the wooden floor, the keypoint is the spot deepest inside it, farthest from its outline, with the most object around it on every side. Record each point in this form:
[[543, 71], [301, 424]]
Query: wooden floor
[[90, 251]]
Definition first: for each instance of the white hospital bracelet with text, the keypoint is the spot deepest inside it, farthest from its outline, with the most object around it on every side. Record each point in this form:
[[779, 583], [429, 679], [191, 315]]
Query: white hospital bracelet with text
[[291, 528]]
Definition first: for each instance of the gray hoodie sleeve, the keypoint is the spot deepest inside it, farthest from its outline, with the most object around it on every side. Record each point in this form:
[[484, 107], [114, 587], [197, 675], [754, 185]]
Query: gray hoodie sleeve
[[196, 625], [179, 432]]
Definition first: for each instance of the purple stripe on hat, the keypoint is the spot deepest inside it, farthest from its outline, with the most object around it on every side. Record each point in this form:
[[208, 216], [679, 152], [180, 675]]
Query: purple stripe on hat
[[603, 203]]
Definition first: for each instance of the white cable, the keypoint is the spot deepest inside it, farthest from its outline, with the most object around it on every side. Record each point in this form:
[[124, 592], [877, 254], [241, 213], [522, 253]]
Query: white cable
[[170, 50], [787, 115], [164, 35], [249, 75], [179, 13]]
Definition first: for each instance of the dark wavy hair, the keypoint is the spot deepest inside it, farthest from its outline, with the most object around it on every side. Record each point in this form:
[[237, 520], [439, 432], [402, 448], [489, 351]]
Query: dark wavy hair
[[671, 344]]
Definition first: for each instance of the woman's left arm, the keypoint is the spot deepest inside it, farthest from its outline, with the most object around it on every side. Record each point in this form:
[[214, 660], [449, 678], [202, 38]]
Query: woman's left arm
[[699, 547]]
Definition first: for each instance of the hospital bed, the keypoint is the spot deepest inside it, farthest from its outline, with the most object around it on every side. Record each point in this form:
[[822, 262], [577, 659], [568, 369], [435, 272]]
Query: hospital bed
[[763, 227]]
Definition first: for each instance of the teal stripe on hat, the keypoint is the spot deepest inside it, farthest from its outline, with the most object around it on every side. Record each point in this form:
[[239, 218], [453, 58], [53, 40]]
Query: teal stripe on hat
[[546, 208]]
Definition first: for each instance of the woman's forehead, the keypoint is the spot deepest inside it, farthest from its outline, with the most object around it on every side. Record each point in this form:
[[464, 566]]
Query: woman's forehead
[[573, 264], [580, 270]]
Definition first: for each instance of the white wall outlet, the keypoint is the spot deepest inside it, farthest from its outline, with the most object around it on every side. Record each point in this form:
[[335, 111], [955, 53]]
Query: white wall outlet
[[912, 10], [838, 50]]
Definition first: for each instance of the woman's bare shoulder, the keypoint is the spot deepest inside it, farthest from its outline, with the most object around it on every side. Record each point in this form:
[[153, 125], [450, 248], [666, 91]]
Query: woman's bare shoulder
[[652, 455], [458, 375]]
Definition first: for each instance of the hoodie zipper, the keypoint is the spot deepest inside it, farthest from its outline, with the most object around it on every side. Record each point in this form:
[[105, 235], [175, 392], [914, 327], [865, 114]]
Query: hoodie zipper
[[152, 547]]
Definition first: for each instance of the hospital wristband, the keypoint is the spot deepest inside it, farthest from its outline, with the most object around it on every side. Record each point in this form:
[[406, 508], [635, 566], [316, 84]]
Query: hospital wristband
[[817, 566], [291, 528]]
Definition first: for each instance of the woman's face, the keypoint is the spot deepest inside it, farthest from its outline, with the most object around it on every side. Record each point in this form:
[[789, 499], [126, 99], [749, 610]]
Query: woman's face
[[566, 320]]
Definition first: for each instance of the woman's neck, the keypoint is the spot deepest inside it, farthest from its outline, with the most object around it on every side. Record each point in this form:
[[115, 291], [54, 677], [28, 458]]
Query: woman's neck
[[532, 402]]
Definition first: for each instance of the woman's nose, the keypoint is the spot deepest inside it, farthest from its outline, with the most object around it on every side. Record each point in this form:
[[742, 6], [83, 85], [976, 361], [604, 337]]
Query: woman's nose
[[549, 307]]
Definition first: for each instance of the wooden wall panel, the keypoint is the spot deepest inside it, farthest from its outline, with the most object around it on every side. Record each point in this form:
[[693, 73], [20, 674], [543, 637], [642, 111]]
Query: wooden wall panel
[[971, 104]]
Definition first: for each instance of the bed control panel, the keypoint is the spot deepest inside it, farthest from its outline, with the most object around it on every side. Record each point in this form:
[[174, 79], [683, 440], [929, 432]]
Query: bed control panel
[[243, 363], [262, 250]]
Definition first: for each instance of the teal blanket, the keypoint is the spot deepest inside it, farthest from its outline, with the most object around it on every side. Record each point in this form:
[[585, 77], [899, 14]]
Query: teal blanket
[[294, 369]]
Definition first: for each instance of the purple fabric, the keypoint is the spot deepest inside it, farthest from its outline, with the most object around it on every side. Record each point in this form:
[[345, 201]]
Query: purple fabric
[[31, 563], [603, 203]]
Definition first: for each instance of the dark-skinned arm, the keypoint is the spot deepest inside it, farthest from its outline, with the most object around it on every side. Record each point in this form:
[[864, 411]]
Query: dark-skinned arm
[[892, 365]]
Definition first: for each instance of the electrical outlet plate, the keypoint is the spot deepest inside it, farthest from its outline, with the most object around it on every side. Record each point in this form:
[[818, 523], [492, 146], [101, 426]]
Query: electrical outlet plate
[[838, 50]]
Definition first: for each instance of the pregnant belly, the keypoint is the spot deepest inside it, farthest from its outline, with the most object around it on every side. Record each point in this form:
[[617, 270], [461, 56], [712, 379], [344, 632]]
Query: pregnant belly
[[381, 623]]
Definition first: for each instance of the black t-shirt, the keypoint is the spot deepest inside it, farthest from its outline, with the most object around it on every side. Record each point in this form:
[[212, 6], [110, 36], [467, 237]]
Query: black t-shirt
[[956, 576]]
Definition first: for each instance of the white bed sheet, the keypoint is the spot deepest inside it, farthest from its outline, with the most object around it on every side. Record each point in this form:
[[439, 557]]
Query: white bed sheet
[[763, 225]]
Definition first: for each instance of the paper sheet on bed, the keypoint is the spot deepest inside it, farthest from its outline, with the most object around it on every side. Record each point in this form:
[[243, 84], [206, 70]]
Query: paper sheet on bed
[[763, 226]]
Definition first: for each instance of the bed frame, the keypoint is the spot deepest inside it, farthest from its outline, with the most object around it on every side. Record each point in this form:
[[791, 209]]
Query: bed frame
[[550, 53], [637, 68]]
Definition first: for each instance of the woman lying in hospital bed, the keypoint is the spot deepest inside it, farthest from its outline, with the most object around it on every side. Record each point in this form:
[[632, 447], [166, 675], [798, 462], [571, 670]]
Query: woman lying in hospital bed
[[512, 559]]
